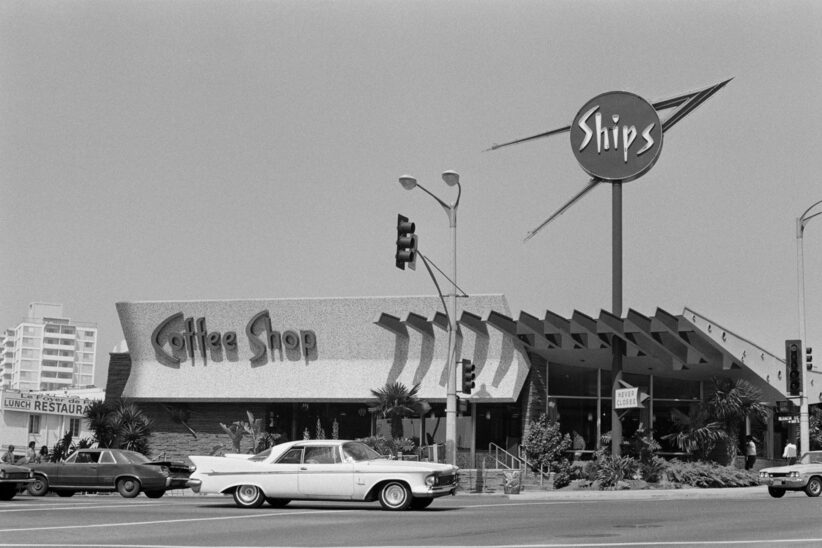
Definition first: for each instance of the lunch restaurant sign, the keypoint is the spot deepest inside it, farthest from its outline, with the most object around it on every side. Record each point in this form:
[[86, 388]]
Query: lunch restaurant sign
[[44, 404]]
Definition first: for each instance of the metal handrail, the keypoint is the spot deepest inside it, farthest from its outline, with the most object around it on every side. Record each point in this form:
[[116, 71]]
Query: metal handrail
[[508, 460]]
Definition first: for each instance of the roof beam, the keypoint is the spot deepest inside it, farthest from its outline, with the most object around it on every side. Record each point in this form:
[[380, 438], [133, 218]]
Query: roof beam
[[557, 326]]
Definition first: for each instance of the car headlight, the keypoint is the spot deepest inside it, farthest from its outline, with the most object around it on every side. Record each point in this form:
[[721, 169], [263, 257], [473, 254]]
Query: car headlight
[[763, 475], [164, 470], [192, 468], [794, 474], [2, 474], [431, 480]]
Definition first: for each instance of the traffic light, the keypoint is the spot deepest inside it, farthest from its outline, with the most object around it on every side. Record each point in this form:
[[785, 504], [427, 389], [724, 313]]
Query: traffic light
[[793, 366], [406, 243], [809, 358], [468, 376]]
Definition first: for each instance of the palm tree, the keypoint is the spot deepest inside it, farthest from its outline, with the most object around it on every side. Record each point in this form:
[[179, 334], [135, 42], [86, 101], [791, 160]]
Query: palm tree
[[132, 428], [730, 403], [394, 402], [698, 434], [99, 422]]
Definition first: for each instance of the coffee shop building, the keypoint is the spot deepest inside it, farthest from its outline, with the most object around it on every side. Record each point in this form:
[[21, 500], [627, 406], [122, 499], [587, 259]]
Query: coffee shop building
[[307, 368]]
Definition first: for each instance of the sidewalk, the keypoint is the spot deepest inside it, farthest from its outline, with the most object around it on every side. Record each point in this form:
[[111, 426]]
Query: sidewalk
[[646, 494]]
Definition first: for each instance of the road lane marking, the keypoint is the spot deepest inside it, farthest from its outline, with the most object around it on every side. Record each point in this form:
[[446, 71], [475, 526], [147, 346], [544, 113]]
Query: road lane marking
[[815, 541], [161, 521]]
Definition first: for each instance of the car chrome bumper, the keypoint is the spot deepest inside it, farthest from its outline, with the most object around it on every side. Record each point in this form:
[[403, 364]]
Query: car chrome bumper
[[784, 483], [194, 485]]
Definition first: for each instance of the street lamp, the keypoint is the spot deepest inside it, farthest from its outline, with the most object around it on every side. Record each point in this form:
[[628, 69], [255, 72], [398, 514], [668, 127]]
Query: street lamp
[[451, 178], [801, 221]]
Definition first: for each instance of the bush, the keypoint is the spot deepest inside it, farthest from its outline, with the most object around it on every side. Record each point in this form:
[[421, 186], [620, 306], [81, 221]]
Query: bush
[[707, 474], [612, 470], [388, 447], [564, 474], [544, 444], [653, 470]]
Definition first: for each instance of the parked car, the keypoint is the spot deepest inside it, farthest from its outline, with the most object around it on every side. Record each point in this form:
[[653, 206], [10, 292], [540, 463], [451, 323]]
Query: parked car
[[101, 469], [12, 479], [805, 475], [323, 470]]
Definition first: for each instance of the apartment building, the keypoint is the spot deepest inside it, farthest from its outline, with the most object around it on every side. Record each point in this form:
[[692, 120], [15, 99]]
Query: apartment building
[[48, 351]]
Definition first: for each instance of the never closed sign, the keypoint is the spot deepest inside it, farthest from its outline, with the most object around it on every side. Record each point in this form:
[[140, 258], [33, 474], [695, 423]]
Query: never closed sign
[[616, 136]]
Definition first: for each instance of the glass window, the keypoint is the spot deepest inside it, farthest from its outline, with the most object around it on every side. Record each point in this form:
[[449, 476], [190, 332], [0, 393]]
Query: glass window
[[105, 457], [675, 389], [321, 455], [292, 456], [34, 424], [74, 427], [88, 457], [564, 380]]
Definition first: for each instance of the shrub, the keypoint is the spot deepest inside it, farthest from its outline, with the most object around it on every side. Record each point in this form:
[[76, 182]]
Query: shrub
[[564, 474], [708, 474], [544, 443], [612, 470], [385, 446], [653, 470]]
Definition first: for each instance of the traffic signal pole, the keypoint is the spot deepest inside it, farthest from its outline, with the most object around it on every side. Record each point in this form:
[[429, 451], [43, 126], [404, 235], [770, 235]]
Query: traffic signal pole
[[801, 221]]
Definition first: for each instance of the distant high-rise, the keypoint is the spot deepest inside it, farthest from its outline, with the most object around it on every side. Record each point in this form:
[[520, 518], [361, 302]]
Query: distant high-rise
[[47, 351]]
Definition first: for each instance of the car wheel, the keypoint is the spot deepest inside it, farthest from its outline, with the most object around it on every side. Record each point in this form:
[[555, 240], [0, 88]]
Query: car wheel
[[248, 496], [155, 494], [8, 491], [395, 495], [776, 492], [421, 503], [277, 503], [814, 487], [128, 487], [65, 493], [39, 487]]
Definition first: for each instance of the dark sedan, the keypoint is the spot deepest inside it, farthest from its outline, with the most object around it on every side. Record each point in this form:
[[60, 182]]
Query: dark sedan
[[12, 479], [101, 469]]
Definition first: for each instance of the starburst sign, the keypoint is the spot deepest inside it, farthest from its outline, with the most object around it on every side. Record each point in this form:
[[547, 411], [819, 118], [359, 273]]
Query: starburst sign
[[617, 136]]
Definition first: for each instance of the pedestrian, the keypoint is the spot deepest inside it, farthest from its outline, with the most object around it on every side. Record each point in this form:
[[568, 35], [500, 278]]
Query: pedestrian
[[750, 452], [789, 454], [8, 456], [31, 454], [43, 455]]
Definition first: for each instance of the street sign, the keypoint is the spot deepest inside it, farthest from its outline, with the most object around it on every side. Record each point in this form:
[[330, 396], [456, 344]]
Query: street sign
[[629, 397]]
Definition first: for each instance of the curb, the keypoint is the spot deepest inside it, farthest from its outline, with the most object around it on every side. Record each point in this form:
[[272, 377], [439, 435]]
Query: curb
[[646, 494]]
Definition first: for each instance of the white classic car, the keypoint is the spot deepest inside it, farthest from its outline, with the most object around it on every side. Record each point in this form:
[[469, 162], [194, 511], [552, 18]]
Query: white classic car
[[805, 475], [323, 470]]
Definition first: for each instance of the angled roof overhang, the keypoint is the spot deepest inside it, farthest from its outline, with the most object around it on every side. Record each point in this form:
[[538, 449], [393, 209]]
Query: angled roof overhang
[[686, 346]]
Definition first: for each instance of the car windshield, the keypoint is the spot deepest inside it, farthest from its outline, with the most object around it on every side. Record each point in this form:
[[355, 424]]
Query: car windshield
[[812, 457], [357, 451], [262, 455]]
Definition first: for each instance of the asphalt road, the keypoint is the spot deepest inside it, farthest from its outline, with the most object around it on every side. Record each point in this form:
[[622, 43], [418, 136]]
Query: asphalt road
[[754, 519]]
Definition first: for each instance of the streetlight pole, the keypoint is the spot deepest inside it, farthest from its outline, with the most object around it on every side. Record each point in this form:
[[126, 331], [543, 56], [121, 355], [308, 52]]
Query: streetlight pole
[[451, 178], [801, 222]]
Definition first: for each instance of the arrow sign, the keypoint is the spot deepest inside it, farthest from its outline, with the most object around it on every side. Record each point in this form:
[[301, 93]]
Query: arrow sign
[[629, 397]]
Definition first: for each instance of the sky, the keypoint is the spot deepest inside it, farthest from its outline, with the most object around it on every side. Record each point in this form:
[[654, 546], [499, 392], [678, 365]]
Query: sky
[[197, 150]]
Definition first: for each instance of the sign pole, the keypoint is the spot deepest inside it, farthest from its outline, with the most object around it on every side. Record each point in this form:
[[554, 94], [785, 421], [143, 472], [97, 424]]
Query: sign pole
[[616, 309]]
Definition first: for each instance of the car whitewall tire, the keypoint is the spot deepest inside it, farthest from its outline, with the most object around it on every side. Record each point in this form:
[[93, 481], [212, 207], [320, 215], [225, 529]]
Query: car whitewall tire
[[248, 496], [395, 495]]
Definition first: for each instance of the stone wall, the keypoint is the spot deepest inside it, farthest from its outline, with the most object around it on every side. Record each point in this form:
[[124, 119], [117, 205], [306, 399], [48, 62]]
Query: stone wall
[[534, 399]]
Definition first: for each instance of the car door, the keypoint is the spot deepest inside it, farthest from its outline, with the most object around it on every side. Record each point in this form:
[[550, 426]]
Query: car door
[[323, 474], [107, 468], [82, 471], [280, 478]]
